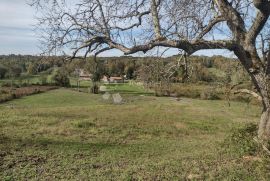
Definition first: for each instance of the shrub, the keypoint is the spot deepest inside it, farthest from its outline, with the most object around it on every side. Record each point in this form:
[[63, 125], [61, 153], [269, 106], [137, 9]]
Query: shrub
[[61, 78], [208, 63], [209, 94], [9, 84], [7, 94], [241, 141], [43, 80], [5, 97], [32, 69], [3, 91], [201, 73], [186, 90], [162, 90]]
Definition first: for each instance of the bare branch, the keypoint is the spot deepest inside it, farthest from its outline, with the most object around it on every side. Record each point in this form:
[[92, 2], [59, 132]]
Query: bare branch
[[140, 15], [210, 26]]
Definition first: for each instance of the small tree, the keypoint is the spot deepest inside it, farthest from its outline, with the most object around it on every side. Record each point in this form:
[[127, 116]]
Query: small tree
[[96, 68], [61, 78], [32, 69]]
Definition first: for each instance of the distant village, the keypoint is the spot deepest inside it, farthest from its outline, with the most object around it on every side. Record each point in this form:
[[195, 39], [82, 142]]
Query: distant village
[[85, 75]]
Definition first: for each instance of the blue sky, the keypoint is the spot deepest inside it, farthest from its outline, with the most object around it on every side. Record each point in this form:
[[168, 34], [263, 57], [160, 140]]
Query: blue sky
[[17, 36]]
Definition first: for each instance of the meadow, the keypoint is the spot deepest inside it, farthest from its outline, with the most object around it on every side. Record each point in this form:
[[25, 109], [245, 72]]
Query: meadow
[[69, 135]]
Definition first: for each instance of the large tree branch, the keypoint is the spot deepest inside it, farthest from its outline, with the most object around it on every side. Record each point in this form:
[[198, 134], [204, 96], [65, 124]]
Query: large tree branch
[[262, 5], [233, 18], [188, 46], [259, 22], [155, 17]]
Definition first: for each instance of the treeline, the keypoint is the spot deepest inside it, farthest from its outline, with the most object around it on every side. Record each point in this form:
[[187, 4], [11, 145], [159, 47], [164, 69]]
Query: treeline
[[15, 65], [153, 69], [216, 69]]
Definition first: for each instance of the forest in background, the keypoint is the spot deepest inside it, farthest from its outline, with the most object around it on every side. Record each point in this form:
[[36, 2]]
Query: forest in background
[[201, 77]]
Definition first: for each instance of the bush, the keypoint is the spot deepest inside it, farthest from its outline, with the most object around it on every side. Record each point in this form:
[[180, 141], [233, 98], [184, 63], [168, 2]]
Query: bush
[[61, 78], [162, 90], [10, 84], [201, 73], [6, 94], [186, 90], [32, 69], [209, 94], [241, 141], [43, 80], [3, 91]]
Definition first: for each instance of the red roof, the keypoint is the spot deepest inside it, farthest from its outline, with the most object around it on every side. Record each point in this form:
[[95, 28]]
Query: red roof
[[116, 78]]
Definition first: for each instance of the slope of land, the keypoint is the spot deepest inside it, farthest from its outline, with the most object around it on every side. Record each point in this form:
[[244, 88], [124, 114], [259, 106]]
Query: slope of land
[[63, 134]]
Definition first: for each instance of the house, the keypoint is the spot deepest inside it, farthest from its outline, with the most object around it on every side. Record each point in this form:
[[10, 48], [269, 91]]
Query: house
[[106, 79], [83, 75], [116, 80]]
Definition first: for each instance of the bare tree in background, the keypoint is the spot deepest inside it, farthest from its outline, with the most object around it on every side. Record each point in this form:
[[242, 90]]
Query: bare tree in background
[[90, 27]]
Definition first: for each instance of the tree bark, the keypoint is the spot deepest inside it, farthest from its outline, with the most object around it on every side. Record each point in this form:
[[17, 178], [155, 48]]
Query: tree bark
[[261, 80], [264, 125], [262, 85]]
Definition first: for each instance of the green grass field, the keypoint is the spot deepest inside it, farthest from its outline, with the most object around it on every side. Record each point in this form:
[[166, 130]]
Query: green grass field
[[68, 135], [30, 79]]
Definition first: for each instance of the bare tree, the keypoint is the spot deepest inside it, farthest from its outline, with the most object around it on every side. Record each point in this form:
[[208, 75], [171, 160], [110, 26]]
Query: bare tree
[[90, 27]]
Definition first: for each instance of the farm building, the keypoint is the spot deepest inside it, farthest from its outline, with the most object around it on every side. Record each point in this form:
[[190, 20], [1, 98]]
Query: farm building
[[116, 79], [83, 75], [107, 79]]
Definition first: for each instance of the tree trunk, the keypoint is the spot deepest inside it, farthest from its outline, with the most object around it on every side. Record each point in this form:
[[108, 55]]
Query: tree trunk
[[264, 125], [261, 82], [95, 88], [260, 77]]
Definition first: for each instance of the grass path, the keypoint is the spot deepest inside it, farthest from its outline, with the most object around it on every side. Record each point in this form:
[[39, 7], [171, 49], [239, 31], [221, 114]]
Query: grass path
[[69, 135]]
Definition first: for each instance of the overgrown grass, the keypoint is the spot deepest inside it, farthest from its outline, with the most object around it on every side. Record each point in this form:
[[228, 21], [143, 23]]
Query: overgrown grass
[[68, 135], [9, 93]]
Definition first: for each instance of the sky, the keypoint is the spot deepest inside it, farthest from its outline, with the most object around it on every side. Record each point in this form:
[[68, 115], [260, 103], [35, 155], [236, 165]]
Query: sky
[[17, 36], [16, 28]]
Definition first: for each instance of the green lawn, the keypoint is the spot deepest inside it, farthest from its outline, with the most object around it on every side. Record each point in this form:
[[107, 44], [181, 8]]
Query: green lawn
[[83, 83], [127, 89], [68, 135]]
